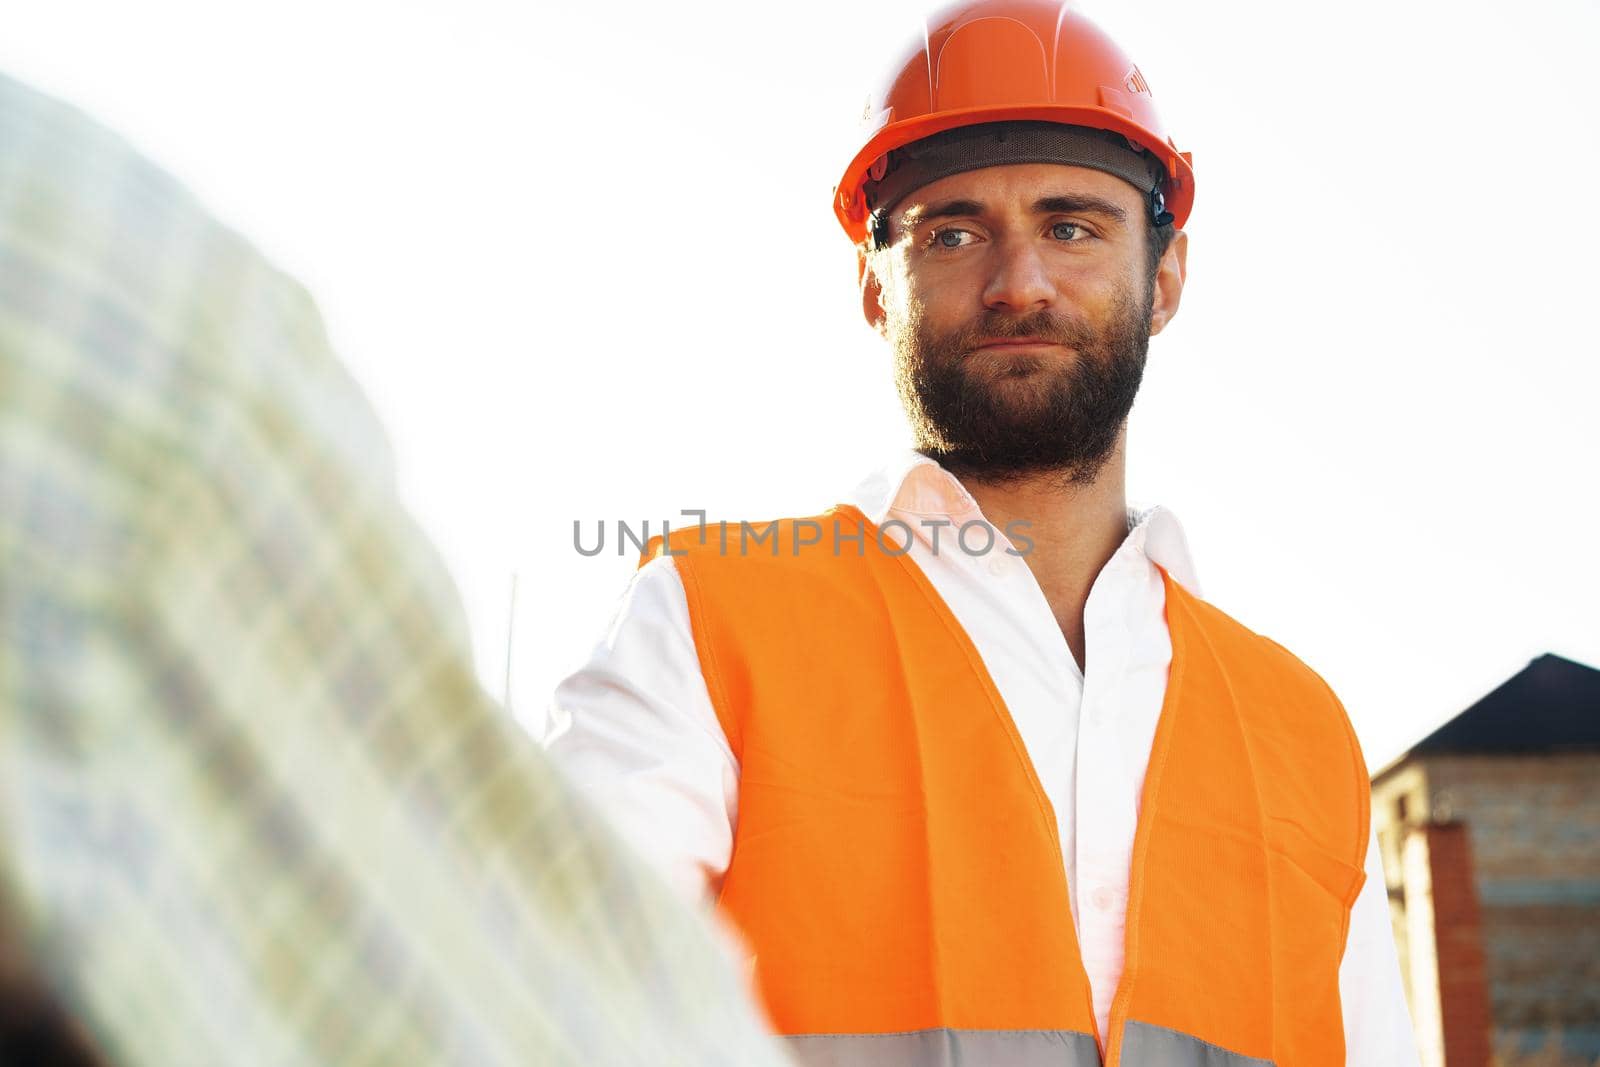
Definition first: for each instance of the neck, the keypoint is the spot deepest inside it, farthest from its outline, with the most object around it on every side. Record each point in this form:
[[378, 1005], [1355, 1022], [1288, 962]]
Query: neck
[[1075, 530]]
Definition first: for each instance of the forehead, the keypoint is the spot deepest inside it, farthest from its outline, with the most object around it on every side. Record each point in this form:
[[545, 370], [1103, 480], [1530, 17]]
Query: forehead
[[1014, 187]]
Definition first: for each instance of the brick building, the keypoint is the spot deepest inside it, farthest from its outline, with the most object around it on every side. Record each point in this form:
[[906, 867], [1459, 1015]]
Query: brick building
[[1490, 831]]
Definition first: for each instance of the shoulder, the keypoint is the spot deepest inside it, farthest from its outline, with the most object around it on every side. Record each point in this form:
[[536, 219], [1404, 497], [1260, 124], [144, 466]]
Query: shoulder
[[744, 582], [1301, 738], [1255, 655], [797, 545]]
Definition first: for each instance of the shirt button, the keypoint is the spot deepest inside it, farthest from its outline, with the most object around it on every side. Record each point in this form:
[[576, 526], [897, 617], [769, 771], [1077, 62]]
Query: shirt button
[[998, 565], [1103, 898]]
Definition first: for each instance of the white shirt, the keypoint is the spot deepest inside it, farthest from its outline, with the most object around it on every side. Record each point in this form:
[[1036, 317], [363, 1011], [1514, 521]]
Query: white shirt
[[635, 727]]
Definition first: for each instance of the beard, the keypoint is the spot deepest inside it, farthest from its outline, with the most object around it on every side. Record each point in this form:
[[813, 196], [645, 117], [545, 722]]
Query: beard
[[1002, 417]]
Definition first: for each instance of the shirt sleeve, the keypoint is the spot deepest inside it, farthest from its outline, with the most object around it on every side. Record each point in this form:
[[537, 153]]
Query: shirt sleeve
[[635, 730], [1377, 1023]]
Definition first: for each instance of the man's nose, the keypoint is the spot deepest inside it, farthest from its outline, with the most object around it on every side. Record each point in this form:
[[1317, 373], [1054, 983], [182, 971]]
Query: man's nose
[[1019, 282]]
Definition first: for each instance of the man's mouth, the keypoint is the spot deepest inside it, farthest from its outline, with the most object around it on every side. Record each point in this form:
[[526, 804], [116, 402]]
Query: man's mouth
[[1015, 342]]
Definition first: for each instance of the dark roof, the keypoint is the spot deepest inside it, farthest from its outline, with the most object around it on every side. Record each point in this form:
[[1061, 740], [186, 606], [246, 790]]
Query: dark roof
[[1552, 703]]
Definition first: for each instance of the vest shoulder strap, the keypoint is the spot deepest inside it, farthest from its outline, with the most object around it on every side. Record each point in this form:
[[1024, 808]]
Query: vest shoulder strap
[[1306, 756]]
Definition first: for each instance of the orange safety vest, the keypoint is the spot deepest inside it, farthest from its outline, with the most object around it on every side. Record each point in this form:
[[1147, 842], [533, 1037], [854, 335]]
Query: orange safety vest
[[896, 867]]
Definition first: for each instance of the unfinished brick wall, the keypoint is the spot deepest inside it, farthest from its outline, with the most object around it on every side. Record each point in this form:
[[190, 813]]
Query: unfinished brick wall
[[1532, 831], [1535, 825]]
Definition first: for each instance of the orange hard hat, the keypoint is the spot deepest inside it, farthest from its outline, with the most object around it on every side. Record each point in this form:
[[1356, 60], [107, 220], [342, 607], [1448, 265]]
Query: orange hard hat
[[984, 61]]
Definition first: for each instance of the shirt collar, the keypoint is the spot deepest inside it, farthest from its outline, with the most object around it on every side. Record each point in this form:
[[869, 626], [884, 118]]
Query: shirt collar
[[911, 482]]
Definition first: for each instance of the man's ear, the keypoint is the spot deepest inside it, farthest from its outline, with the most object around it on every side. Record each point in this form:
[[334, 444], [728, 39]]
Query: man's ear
[[1169, 282], [871, 291]]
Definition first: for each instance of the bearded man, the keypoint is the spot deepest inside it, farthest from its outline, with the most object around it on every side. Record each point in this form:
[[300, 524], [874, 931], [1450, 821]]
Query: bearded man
[[966, 759]]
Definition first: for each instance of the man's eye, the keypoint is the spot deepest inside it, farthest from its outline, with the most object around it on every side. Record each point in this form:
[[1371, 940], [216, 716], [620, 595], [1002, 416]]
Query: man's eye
[[950, 238], [1066, 231]]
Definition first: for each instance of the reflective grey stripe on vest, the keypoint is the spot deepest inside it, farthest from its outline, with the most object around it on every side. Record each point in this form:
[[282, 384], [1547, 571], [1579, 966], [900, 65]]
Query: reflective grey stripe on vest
[[1144, 1045], [947, 1048]]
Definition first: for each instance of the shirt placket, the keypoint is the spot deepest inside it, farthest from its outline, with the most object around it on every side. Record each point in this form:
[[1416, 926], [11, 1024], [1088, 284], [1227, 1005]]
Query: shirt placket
[[1104, 808]]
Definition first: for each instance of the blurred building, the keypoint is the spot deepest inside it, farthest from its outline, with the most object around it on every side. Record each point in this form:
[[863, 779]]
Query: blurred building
[[1490, 831]]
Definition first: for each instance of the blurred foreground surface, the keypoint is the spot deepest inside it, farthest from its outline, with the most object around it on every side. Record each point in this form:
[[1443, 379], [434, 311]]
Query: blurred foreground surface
[[254, 808]]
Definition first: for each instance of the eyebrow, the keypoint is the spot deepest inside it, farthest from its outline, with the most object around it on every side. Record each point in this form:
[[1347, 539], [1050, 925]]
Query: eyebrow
[[1072, 204]]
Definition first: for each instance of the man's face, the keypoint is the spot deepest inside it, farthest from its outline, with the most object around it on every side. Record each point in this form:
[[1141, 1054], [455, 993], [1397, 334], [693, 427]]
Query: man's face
[[1019, 306]]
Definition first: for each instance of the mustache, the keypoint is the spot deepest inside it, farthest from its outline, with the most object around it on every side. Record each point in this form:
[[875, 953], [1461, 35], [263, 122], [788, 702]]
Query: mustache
[[1041, 324]]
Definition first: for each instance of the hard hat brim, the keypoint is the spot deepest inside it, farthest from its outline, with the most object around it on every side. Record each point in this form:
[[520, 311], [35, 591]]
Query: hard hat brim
[[849, 205]]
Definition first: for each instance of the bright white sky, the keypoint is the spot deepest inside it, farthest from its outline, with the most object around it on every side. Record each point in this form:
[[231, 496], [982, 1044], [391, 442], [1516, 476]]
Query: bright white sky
[[581, 256]]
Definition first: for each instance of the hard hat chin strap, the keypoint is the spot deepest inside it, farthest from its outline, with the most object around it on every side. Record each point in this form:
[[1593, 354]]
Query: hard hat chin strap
[[991, 144]]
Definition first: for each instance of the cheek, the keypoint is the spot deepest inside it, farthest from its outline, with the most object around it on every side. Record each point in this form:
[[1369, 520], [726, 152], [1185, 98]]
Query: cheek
[[1098, 295], [943, 302], [1085, 280]]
